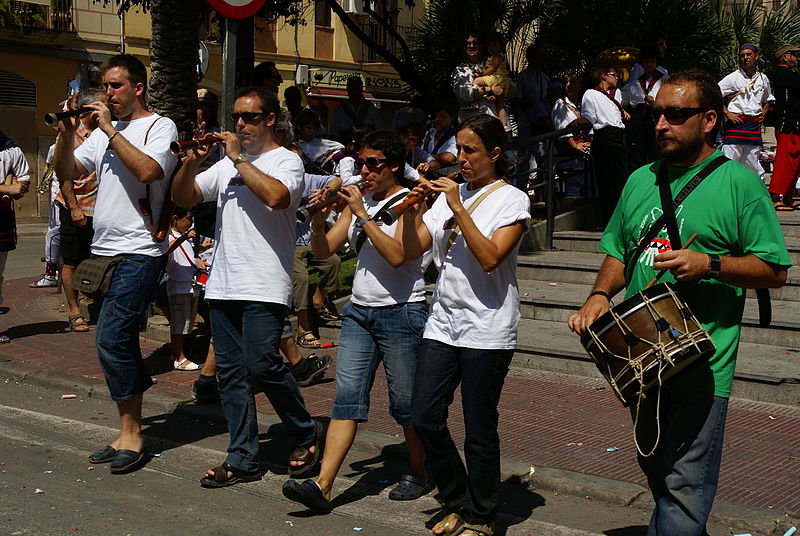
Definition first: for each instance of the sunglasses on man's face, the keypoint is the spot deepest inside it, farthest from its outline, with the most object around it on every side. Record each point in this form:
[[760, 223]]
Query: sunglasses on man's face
[[247, 116], [675, 115], [371, 162]]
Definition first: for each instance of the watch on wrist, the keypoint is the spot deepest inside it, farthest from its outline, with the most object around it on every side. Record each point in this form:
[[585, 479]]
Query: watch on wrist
[[360, 223], [240, 159], [714, 266]]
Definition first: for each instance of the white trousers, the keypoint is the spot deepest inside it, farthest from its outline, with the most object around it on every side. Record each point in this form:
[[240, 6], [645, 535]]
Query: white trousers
[[747, 155]]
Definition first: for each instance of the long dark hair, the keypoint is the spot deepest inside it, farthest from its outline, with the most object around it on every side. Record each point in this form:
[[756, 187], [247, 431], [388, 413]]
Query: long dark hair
[[391, 145], [492, 134]]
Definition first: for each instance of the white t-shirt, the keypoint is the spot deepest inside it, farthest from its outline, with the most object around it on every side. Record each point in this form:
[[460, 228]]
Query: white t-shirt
[[253, 244], [600, 111], [12, 161], [471, 308], [637, 70], [346, 168], [564, 113], [376, 283], [750, 101], [633, 94], [119, 225], [180, 267], [318, 148]]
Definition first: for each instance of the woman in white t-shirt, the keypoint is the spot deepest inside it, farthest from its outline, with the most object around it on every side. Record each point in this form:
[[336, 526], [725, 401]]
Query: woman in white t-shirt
[[383, 321], [474, 230]]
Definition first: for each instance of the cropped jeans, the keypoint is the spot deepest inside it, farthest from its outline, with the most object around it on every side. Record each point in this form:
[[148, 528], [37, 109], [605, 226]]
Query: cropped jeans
[[122, 316], [246, 337]]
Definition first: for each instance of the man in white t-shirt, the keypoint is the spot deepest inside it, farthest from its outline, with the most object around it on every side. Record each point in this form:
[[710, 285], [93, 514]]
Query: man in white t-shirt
[[250, 284], [131, 158], [14, 180]]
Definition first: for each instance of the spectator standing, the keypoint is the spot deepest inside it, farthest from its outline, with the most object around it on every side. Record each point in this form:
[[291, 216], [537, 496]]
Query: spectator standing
[[52, 239], [76, 201], [494, 78], [14, 180], [566, 112], [316, 149], [531, 95], [266, 74], [602, 106], [472, 100], [786, 82], [356, 110], [133, 163], [651, 39], [638, 96]]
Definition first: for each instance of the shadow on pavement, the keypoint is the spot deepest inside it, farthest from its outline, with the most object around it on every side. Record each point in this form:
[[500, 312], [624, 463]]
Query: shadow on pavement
[[39, 328], [637, 530]]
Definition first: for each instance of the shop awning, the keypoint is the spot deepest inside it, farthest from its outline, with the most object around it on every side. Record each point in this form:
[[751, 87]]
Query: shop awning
[[324, 93]]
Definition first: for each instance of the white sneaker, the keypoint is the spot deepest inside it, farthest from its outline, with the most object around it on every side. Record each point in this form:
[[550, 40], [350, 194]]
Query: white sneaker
[[185, 364], [44, 282]]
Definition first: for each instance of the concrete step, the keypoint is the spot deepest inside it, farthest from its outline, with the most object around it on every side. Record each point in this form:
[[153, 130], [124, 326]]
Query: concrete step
[[587, 241], [582, 267], [556, 301], [763, 372]]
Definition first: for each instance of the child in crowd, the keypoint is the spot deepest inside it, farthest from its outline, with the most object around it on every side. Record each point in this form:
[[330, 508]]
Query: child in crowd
[[440, 141], [494, 76], [411, 135], [342, 163], [315, 148], [181, 269]]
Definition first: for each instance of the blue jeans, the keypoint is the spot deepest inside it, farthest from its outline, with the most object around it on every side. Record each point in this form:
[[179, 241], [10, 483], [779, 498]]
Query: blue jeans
[[246, 337], [122, 316], [684, 470], [370, 335], [481, 373]]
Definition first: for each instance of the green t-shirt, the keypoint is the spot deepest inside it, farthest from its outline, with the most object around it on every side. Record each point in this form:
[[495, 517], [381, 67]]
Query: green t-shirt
[[732, 214]]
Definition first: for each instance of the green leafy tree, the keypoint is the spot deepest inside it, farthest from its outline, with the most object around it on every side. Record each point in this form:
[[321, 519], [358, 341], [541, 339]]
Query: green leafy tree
[[751, 23]]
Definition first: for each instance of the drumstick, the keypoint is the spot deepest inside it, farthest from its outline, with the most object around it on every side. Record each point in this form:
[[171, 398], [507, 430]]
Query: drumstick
[[662, 272]]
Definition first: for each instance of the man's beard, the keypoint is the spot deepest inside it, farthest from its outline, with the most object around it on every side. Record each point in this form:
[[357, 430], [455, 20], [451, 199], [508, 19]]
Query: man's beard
[[681, 152]]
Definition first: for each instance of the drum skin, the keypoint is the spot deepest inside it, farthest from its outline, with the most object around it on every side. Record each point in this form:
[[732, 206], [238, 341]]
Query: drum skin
[[654, 354]]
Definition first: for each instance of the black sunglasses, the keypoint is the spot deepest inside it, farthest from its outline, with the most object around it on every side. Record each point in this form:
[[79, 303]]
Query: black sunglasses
[[247, 116], [675, 115], [371, 162]]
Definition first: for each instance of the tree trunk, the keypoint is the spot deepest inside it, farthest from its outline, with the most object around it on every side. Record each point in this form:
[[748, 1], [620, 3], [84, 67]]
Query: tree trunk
[[173, 61]]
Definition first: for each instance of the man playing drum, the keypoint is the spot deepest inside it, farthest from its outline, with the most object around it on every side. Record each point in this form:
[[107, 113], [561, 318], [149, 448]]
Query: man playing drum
[[739, 246]]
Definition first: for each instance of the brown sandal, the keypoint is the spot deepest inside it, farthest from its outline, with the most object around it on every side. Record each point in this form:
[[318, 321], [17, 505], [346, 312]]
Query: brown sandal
[[221, 478], [78, 321], [307, 339], [304, 454]]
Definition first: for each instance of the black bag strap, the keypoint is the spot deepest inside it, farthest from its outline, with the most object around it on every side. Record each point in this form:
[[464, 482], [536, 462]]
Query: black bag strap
[[362, 236], [659, 223], [667, 207]]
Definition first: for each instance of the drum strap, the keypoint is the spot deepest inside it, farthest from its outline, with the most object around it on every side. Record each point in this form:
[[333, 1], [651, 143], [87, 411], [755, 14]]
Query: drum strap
[[668, 209]]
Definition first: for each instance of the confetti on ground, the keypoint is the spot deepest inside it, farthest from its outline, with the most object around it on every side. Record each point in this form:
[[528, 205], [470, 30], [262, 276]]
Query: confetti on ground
[[38, 491], [48, 472], [527, 294], [574, 444], [357, 529], [155, 455], [68, 396], [290, 523], [612, 449], [770, 417], [90, 468], [553, 284]]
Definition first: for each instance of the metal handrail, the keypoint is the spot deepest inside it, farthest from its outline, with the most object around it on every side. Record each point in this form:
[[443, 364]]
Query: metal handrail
[[549, 182]]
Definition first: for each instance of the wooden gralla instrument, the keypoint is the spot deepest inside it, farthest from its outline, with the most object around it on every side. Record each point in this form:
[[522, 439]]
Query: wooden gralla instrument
[[178, 146], [305, 214], [390, 215]]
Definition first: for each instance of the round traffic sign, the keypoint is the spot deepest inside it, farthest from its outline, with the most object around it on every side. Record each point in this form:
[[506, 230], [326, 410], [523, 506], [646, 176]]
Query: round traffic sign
[[236, 9]]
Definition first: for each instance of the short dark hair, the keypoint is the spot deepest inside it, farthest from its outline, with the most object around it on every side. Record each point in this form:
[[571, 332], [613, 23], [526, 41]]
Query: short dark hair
[[262, 71], [180, 212], [492, 134], [308, 117], [269, 102], [415, 128], [649, 52], [355, 79], [392, 146], [137, 74], [90, 94], [707, 91], [449, 105]]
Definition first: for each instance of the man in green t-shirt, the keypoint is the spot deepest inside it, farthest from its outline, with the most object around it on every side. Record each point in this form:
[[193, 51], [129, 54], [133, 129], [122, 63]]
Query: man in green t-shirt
[[739, 246]]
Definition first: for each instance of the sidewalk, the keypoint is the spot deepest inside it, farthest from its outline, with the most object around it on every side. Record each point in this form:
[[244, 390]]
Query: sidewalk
[[559, 425]]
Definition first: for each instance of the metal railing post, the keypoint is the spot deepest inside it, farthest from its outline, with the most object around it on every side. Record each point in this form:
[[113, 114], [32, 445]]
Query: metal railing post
[[550, 195]]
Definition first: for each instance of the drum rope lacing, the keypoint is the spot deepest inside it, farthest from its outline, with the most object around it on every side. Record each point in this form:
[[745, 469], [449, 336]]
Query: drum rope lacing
[[661, 350]]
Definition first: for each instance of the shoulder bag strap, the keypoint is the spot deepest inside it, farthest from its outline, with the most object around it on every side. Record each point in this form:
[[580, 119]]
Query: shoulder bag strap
[[472, 207], [659, 223], [362, 236]]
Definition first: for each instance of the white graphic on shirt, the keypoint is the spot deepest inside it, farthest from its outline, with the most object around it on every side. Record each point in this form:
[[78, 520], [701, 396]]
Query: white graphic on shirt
[[660, 243]]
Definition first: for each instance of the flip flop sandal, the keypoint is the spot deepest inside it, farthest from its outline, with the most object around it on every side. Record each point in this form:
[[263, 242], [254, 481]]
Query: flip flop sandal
[[324, 314], [74, 324], [221, 478], [125, 461], [185, 364], [307, 339], [453, 525], [409, 488], [308, 494], [303, 454], [784, 208], [104, 455]]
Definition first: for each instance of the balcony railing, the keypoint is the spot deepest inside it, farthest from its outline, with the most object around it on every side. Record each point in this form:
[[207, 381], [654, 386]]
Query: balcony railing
[[379, 34], [35, 15]]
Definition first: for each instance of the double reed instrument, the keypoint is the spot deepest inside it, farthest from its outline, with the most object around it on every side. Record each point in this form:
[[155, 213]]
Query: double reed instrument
[[47, 180], [390, 215], [305, 214], [52, 119], [177, 147]]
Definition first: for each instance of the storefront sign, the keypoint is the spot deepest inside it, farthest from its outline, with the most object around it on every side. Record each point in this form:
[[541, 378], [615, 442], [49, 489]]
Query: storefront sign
[[337, 78]]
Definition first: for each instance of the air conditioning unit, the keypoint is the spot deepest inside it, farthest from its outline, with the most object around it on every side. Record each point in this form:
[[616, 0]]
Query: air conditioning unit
[[355, 7], [301, 76]]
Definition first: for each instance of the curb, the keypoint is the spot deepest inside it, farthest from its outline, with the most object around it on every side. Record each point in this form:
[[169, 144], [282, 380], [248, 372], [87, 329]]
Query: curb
[[613, 492]]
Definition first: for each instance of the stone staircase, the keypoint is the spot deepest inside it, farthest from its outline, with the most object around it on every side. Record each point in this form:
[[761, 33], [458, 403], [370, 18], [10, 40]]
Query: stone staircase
[[554, 284]]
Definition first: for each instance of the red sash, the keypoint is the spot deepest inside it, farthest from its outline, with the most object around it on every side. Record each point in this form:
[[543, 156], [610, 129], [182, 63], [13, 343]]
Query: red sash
[[610, 94], [656, 77]]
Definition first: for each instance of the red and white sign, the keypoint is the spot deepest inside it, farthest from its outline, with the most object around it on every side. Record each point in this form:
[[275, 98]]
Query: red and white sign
[[236, 9]]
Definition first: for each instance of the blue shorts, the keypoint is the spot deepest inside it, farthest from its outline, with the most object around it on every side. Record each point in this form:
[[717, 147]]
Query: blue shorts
[[370, 335]]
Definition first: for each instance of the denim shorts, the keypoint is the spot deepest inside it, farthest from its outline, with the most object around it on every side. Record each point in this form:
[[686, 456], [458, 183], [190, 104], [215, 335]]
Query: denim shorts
[[370, 335]]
